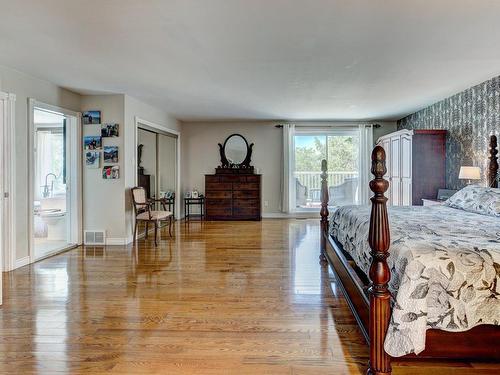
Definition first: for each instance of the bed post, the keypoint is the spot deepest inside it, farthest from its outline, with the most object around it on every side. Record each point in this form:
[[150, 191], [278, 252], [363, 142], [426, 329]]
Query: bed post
[[380, 273], [493, 164], [324, 210]]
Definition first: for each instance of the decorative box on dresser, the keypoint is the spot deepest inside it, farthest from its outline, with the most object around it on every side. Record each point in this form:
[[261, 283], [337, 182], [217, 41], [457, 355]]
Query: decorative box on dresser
[[416, 162], [233, 196]]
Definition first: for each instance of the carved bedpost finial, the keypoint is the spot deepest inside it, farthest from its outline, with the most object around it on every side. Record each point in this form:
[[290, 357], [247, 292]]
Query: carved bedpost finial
[[380, 274], [493, 164], [324, 209]]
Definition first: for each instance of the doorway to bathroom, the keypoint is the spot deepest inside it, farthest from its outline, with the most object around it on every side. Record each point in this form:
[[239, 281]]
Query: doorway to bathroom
[[55, 180]]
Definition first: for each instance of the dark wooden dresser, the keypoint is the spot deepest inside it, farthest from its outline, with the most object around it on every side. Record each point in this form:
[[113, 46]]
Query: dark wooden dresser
[[233, 196]]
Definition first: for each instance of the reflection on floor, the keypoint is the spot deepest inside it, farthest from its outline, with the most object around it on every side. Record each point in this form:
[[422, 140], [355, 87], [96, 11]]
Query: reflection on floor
[[44, 247], [220, 298]]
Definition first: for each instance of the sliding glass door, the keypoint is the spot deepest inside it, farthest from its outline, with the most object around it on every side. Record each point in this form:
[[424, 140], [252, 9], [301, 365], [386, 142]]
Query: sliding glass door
[[341, 149]]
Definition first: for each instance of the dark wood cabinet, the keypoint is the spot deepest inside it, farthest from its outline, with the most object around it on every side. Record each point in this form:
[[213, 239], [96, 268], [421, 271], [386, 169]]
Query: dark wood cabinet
[[144, 180], [233, 196]]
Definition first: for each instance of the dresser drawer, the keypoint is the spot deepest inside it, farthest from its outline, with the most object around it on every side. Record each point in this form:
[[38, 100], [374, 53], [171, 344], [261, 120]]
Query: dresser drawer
[[215, 202], [246, 202], [218, 211], [246, 186], [246, 194], [246, 211], [218, 186], [252, 178], [210, 178], [218, 194], [232, 179]]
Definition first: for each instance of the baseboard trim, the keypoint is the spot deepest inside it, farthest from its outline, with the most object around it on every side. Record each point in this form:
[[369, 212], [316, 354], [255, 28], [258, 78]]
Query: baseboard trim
[[115, 241], [21, 262], [293, 215]]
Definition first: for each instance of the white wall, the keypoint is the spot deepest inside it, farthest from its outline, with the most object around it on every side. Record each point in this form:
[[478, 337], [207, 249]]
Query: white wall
[[107, 203], [103, 199], [24, 87], [200, 153]]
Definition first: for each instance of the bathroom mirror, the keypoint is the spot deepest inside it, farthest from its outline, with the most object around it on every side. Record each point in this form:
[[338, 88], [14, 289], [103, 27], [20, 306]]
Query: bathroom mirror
[[236, 152]]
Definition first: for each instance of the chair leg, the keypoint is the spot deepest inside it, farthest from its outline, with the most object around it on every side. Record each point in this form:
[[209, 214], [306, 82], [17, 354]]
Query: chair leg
[[170, 227], [156, 233], [147, 229], [135, 230]]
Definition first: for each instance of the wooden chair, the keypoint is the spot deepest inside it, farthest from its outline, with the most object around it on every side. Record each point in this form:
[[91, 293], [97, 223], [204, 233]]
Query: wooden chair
[[143, 212]]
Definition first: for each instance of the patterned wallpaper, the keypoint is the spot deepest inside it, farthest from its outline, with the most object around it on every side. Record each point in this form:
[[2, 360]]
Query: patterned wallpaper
[[470, 117]]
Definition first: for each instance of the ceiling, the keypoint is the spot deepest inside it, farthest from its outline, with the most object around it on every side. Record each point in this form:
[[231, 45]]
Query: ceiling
[[258, 59]]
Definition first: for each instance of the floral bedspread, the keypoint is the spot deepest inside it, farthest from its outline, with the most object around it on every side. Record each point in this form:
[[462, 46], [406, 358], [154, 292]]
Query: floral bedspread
[[445, 268]]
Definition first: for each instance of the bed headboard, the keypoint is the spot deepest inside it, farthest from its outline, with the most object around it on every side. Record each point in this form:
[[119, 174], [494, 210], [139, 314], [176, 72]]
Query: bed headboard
[[493, 163]]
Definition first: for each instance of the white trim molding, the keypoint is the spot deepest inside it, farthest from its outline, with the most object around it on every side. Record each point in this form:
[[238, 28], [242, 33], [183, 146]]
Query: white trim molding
[[116, 241], [21, 262], [8, 182], [75, 177]]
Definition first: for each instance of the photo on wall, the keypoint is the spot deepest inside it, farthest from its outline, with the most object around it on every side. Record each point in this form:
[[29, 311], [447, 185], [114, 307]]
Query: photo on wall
[[92, 159], [92, 142], [111, 172], [111, 154], [91, 117], [109, 130]]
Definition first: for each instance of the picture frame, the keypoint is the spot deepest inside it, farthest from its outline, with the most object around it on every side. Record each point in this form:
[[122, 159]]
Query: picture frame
[[92, 142], [111, 172], [110, 154], [91, 117], [110, 130], [92, 159], [187, 194]]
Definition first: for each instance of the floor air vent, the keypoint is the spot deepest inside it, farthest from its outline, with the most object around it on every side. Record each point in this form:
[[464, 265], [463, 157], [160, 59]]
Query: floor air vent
[[94, 237]]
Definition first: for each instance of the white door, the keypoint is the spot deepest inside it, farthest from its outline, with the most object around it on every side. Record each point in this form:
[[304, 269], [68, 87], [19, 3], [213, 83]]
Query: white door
[[395, 179], [406, 177], [2, 126]]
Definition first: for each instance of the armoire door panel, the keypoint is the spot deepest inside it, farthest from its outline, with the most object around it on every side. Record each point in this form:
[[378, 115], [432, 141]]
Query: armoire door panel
[[406, 156], [395, 157]]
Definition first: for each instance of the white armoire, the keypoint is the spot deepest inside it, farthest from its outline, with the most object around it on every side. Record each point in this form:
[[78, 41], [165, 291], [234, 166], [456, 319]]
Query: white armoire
[[416, 163]]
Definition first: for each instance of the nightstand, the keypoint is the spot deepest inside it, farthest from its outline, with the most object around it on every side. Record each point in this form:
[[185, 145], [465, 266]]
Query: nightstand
[[431, 202]]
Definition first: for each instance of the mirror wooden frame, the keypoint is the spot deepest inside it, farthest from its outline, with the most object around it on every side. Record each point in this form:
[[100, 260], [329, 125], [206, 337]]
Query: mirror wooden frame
[[225, 163]]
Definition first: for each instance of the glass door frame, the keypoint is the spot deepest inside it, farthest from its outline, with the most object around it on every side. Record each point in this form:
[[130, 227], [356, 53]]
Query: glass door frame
[[314, 131], [73, 175]]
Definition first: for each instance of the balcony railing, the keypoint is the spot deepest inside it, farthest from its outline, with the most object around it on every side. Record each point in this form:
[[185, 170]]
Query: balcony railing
[[312, 180]]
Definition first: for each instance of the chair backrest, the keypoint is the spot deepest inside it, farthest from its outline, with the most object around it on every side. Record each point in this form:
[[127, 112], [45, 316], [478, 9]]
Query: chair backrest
[[139, 199]]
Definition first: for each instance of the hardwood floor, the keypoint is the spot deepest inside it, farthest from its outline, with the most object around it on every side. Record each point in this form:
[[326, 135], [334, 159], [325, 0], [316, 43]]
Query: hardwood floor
[[220, 298]]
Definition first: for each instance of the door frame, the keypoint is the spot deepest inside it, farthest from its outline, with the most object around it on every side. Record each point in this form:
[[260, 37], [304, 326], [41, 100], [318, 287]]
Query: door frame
[[8, 184], [138, 120], [76, 185]]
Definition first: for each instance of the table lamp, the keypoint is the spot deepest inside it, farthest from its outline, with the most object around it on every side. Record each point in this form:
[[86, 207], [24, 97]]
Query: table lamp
[[469, 174]]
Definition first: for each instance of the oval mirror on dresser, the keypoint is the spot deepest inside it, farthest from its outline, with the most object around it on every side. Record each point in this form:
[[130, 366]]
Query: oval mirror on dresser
[[234, 191]]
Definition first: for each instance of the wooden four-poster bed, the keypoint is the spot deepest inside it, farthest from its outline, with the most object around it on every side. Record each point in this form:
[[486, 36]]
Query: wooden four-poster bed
[[368, 293]]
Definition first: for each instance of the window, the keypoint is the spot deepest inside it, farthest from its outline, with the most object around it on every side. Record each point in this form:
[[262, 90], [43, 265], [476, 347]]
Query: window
[[341, 149]]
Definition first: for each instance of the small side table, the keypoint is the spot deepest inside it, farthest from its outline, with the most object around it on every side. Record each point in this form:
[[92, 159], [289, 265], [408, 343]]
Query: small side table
[[170, 202], [188, 202], [431, 202]]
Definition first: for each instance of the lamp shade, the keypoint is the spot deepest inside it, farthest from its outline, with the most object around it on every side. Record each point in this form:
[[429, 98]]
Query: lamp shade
[[469, 173]]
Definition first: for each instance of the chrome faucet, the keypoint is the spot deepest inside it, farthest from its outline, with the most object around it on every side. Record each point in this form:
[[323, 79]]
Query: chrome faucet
[[46, 191]]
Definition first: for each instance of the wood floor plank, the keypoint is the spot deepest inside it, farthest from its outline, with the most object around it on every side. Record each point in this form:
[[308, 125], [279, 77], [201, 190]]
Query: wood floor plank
[[219, 298]]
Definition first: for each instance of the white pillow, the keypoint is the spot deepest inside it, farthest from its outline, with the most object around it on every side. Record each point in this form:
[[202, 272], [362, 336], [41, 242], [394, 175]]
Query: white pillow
[[478, 199]]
